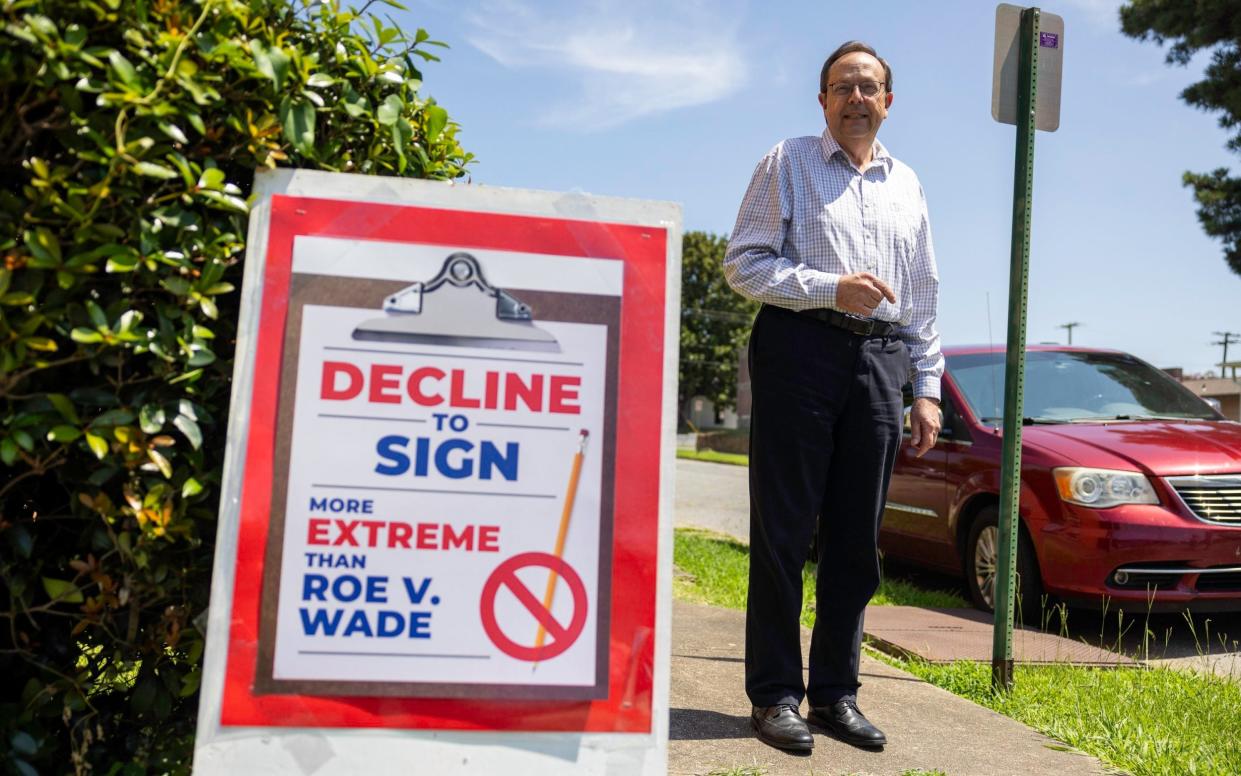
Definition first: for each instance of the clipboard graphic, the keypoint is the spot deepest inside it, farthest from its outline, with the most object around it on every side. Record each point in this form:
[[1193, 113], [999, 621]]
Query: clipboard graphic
[[466, 311], [427, 447]]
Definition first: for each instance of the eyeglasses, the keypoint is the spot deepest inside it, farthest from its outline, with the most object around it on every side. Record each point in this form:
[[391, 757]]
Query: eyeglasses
[[867, 89]]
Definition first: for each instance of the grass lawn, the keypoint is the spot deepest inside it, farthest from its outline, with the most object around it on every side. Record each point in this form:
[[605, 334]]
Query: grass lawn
[[716, 569], [1145, 721], [713, 456]]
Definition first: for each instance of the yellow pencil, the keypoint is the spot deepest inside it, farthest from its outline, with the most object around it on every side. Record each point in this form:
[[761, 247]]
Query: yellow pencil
[[570, 495]]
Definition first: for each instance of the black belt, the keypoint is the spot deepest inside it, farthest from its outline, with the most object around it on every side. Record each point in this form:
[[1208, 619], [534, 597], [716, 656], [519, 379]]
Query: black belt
[[865, 327]]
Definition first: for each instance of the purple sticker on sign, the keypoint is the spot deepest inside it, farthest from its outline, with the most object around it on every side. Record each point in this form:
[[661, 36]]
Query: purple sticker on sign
[[1048, 40]]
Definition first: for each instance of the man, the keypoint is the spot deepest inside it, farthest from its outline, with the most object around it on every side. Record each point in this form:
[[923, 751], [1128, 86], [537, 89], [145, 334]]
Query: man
[[833, 238]]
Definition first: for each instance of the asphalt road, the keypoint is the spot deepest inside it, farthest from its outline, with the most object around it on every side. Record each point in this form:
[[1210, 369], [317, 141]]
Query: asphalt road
[[716, 496]]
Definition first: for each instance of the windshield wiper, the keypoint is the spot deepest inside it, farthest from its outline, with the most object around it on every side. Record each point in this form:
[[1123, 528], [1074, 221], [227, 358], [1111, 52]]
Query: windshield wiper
[[1136, 417], [1027, 421]]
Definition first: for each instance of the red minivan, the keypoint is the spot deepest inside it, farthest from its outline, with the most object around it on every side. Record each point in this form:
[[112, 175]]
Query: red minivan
[[1130, 485]]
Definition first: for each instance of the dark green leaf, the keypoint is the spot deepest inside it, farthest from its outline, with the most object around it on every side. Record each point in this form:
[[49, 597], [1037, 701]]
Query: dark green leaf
[[173, 131], [60, 590], [24, 768], [192, 487], [96, 314], [64, 407], [390, 110], [152, 170], [151, 418], [24, 743], [271, 62], [63, 434], [190, 428], [23, 542], [297, 118], [113, 418], [143, 696], [355, 104], [437, 119], [86, 336], [124, 70], [44, 248], [212, 178], [23, 440]]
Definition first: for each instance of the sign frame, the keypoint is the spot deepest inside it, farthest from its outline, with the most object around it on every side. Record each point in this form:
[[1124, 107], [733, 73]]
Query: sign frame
[[440, 734]]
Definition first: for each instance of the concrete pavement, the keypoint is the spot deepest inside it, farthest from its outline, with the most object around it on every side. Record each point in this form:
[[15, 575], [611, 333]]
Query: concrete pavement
[[927, 728]]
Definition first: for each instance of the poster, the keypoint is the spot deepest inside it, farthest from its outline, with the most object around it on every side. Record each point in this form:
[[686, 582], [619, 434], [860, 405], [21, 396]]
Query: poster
[[414, 538], [446, 496]]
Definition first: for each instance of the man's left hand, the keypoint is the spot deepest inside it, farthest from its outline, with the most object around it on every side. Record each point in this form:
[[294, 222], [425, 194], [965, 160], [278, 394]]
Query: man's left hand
[[924, 423]]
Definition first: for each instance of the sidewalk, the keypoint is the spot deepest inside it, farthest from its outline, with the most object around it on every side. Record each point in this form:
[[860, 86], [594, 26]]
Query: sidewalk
[[927, 727]]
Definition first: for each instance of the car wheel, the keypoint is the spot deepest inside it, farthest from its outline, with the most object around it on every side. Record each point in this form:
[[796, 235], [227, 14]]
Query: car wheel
[[982, 562]]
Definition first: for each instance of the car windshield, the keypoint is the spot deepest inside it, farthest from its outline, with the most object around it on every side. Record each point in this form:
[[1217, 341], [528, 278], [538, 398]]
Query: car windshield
[[1069, 386]]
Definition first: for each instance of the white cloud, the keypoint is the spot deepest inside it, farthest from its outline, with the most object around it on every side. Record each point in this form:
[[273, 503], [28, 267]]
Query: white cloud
[[626, 59]]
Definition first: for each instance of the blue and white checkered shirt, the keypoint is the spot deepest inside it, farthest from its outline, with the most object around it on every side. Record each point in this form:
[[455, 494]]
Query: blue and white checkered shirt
[[809, 216]]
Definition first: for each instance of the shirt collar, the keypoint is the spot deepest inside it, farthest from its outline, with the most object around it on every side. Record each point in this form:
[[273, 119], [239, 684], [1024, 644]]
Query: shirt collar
[[878, 152]]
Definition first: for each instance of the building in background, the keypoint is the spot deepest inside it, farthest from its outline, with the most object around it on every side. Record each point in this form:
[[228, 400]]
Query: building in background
[[1226, 392]]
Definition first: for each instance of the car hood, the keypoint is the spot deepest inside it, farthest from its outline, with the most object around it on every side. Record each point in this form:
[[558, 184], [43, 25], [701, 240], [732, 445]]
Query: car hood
[[1156, 447]]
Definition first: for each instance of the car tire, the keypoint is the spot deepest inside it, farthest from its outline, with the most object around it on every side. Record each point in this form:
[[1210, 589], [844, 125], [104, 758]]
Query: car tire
[[981, 554]]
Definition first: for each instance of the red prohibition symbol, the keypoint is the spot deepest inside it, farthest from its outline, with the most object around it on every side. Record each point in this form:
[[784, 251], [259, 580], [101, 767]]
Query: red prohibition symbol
[[562, 636]]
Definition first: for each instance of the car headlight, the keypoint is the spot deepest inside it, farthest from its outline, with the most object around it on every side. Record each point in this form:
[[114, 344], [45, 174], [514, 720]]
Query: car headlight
[[1103, 488]]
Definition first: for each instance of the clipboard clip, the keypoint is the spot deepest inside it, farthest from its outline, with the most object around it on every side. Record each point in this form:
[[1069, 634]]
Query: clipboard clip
[[463, 271], [468, 312]]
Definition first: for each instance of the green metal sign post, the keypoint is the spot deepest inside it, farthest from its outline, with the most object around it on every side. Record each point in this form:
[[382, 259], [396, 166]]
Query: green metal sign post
[[1029, 59], [1014, 368]]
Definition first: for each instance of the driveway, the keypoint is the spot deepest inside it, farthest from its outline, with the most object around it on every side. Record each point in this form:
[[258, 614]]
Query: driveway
[[714, 496]]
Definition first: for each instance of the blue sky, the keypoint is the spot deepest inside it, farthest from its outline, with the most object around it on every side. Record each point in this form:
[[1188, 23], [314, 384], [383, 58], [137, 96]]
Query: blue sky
[[678, 101]]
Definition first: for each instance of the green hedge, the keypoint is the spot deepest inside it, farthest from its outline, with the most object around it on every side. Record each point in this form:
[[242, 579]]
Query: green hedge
[[129, 133]]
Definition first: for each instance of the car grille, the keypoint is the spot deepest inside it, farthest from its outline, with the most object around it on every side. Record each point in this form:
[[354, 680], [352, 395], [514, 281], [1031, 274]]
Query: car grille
[[1222, 582], [1216, 498]]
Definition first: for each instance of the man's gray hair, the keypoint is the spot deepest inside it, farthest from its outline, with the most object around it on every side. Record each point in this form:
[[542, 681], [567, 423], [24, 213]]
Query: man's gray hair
[[851, 47]]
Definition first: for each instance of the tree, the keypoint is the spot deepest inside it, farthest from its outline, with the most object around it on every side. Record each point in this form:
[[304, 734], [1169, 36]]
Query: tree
[[715, 321], [129, 134], [1215, 26]]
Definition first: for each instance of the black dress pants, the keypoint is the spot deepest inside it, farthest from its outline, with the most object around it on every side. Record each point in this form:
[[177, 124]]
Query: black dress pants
[[824, 431]]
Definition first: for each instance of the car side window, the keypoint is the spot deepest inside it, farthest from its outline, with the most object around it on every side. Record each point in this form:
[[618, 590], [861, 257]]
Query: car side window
[[954, 425]]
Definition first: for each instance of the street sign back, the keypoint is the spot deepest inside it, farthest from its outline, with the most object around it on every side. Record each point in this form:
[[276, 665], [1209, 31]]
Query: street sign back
[[1050, 64]]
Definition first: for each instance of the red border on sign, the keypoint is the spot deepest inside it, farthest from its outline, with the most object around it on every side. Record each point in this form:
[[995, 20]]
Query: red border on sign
[[627, 709]]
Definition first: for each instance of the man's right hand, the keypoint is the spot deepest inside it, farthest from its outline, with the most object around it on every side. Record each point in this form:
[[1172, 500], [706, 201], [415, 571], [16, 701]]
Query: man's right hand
[[861, 292]]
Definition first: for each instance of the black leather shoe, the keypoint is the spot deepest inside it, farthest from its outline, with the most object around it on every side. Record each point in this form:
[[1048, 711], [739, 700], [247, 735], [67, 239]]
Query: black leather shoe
[[782, 727], [846, 720]]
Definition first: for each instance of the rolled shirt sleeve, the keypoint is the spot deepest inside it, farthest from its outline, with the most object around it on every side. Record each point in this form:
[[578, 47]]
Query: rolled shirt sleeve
[[919, 332], [755, 265]]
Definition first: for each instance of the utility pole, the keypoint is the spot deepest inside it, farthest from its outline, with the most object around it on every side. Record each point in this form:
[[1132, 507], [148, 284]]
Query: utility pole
[[1229, 337], [1070, 327]]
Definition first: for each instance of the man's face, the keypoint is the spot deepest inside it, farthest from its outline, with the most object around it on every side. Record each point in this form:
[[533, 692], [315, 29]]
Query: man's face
[[855, 117]]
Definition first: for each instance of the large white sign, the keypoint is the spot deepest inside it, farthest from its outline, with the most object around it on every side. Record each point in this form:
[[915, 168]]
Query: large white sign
[[445, 515]]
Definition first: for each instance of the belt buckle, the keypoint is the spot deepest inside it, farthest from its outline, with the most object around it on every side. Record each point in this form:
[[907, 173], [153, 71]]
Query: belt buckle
[[859, 325]]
